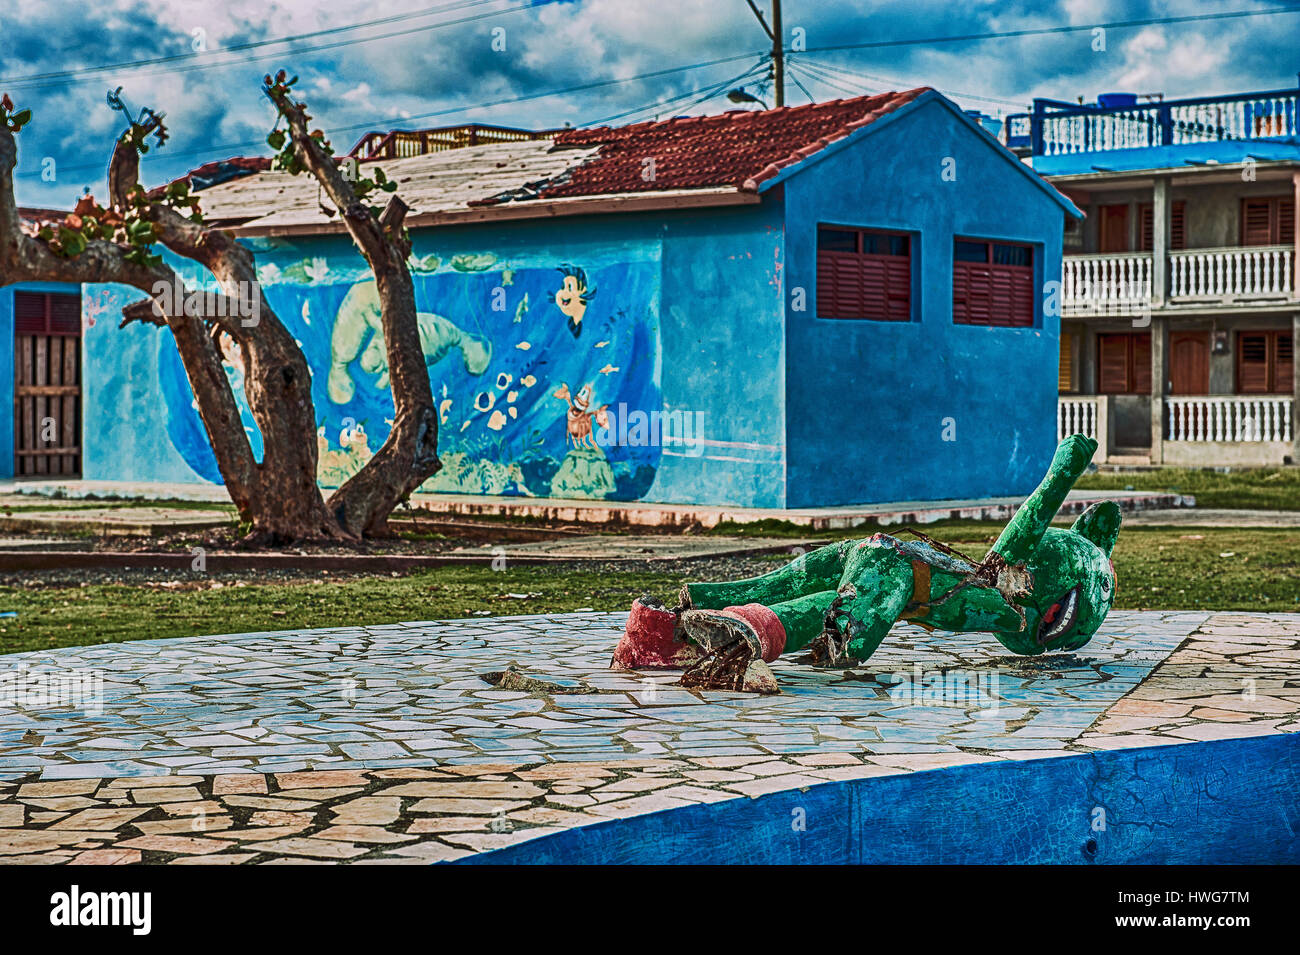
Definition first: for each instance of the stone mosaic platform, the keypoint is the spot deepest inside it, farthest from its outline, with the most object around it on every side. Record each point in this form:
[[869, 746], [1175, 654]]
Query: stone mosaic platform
[[384, 744]]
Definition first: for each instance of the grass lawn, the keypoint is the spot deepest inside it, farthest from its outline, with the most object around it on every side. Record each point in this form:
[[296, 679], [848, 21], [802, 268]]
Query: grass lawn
[[1266, 489], [1159, 568]]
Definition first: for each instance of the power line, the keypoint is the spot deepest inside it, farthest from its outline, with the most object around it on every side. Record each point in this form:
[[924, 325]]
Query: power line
[[905, 83], [804, 68], [811, 98], [656, 73], [372, 123], [661, 104], [72, 76], [1046, 31], [429, 11]]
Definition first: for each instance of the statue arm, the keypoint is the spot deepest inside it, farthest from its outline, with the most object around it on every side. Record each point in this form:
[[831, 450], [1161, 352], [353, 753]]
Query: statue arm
[[1024, 532]]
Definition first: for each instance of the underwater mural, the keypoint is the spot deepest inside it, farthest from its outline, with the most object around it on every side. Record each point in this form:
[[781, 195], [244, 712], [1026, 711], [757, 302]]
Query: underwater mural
[[526, 355]]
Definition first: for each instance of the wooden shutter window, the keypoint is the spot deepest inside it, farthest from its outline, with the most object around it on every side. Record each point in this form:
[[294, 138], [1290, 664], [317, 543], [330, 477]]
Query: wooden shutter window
[[863, 274], [1065, 371], [1124, 363], [1268, 221], [1112, 364], [1141, 368], [1177, 226], [1265, 363], [47, 313], [1283, 363], [992, 283]]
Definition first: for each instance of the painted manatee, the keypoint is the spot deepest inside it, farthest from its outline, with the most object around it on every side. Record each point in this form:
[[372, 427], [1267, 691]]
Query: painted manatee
[[358, 331]]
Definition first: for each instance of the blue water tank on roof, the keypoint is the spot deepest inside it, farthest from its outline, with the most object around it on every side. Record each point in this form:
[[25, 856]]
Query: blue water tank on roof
[[1116, 100]]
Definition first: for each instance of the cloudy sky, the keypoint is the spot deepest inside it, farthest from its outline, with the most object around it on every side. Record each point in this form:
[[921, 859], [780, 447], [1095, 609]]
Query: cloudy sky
[[542, 63]]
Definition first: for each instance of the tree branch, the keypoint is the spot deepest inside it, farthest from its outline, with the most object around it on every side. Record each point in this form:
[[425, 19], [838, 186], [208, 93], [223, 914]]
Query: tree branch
[[409, 455]]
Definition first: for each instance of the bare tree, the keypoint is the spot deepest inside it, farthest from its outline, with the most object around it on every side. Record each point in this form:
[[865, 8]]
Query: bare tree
[[277, 496]]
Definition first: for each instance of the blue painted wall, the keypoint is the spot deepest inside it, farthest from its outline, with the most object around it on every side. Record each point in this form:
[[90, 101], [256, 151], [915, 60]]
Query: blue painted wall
[[1215, 803], [724, 355], [702, 291], [867, 400]]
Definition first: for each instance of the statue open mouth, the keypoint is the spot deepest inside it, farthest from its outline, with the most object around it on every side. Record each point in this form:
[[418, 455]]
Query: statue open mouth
[[1059, 618]]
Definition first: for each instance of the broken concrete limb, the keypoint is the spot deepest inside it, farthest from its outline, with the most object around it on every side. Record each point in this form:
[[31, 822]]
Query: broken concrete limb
[[652, 638]]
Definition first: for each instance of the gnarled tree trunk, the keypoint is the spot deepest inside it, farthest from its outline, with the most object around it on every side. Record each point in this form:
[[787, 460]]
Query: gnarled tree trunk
[[278, 496]]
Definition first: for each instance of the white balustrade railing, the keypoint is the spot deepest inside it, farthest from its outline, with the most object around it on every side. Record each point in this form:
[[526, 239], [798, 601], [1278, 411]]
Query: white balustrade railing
[[1101, 281], [1076, 416], [1258, 117], [1256, 270], [1172, 123], [1232, 418], [1097, 132]]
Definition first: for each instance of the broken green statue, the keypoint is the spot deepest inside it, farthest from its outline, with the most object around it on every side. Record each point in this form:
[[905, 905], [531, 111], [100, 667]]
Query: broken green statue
[[1039, 588]]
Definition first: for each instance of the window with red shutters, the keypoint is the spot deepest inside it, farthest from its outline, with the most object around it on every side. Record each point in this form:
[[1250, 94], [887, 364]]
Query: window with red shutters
[[1268, 221], [1177, 226], [1124, 363], [992, 283], [864, 274], [47, 313], [1265, 363]]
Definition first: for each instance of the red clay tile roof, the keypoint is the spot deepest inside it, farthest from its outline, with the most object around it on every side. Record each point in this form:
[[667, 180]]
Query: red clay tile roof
[[740, 148]]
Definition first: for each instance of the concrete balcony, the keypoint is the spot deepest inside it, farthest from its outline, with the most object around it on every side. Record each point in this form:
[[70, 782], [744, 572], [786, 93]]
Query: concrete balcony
[[1087, 415], [1244, 430], [1105, 284], [1120, 284], [1200, 430], [1232, 274]]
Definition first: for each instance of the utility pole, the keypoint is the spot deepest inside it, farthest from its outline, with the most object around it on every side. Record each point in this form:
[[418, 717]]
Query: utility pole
[[776, 35], [778, 53]]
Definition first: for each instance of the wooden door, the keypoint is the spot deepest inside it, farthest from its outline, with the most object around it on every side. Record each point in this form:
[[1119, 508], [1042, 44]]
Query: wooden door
[[47, 384], [1189, 363], [1113, 229]]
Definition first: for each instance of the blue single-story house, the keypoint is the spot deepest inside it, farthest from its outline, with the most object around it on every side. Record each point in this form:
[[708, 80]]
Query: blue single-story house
[[839, 303]]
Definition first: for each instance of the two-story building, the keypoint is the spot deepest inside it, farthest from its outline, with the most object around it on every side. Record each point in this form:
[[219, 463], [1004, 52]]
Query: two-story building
[[1179, 290]]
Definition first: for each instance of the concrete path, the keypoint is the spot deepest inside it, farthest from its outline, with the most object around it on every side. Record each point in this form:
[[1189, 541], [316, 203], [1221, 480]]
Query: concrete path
[[642, 547], [647, 514], [1211, 517], [115, 521], [386, 745]]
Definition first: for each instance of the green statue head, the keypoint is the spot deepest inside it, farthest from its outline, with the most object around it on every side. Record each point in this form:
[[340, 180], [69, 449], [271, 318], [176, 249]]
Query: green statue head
[[1074, 584]]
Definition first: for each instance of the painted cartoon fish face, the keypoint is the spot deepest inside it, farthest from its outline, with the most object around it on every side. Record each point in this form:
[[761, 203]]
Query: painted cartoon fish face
[[570, 299], [1074, 584]]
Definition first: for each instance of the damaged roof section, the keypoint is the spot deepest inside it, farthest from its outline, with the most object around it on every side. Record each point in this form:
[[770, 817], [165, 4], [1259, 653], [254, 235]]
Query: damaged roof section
[[431, 184], [682, 162]]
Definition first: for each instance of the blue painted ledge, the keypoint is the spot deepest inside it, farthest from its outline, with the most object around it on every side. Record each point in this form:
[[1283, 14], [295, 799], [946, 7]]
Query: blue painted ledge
[[1222, 802]]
